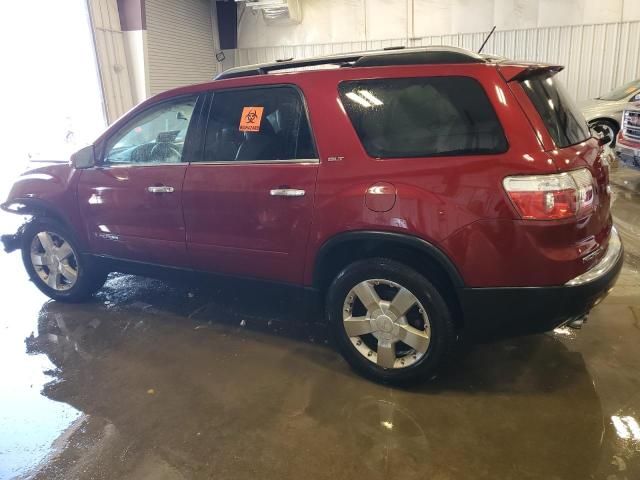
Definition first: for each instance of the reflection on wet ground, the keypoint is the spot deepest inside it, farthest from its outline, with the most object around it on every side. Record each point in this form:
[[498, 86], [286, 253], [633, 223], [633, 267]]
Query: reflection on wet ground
[[168, 380]]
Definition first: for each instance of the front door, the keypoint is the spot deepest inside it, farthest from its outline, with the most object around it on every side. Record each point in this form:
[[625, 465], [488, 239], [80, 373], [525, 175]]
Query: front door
[[248, 203], [131, 201]]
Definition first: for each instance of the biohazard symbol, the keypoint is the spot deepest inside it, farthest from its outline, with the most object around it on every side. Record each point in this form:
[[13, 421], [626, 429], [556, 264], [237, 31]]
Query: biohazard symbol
[[250, 119], [251, 116]]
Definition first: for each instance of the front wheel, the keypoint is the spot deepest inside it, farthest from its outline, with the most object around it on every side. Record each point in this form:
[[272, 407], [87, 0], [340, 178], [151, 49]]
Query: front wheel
[[390, 323], [55, 265]]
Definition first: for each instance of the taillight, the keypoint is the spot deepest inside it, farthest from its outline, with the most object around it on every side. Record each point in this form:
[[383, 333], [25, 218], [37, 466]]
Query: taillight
[[552, 197]]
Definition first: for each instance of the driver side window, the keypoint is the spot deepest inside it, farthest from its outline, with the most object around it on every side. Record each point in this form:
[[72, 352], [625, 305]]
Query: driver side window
[[156, 135]]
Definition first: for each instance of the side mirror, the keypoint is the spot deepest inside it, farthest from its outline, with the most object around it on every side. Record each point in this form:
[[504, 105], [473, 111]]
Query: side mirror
[[84, 158]]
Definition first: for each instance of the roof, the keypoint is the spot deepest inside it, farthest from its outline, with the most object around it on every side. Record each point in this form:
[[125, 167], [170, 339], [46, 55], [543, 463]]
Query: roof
[[374, 58]]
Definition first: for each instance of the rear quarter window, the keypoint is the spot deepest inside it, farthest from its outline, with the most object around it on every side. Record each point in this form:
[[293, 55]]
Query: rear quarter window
[[422, 117], [563, 119]]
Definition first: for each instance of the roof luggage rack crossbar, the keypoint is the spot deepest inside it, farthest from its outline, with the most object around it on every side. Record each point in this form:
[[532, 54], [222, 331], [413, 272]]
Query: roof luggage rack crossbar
[[377, 58]]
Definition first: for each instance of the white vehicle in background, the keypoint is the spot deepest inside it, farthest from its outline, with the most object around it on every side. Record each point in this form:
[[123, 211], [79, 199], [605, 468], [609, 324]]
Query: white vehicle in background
[[606, 111]]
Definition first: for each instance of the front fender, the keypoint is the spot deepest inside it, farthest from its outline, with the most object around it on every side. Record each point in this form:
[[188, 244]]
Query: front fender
[[47, 183], [51, 192]]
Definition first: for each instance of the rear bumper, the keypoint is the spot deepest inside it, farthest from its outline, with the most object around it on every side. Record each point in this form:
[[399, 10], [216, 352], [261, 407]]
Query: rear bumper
[[492, 313]]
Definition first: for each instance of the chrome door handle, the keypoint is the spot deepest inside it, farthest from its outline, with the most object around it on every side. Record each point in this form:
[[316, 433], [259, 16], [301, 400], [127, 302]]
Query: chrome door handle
[[287, 192], [160, 189]]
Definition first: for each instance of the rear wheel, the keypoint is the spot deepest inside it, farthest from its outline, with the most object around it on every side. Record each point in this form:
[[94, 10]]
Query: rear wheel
[[390, 323], [55, 265]]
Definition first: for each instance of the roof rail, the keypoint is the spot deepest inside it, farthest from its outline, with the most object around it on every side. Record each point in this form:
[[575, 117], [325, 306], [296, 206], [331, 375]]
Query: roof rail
[[375, 58]]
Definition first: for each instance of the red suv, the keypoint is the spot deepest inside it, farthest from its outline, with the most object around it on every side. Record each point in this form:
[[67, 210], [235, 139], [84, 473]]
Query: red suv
[[426, 194]]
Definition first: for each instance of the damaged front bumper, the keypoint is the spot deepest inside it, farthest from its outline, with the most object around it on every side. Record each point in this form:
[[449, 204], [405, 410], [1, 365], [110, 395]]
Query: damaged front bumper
[[13, 241]]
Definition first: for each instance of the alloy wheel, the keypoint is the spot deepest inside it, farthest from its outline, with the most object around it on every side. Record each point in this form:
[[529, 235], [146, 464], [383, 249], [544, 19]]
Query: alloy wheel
[[386, 323], [54, 261]]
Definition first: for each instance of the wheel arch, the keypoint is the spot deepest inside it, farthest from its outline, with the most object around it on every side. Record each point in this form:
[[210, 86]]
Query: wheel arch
[[38, 208], [605, 119], [345, 248]]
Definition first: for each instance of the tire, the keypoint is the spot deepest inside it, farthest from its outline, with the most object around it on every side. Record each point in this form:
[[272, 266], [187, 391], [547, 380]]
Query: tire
[[89, 278], [427, 323], [609, 126]]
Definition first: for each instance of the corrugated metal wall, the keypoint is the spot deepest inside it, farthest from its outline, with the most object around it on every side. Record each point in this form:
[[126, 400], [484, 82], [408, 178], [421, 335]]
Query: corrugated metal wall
[[180, 43], [112, 61], [597, 57]]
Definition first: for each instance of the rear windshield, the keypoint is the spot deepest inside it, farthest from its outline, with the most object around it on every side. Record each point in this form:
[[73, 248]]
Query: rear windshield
[[422, 117], [563, 119]]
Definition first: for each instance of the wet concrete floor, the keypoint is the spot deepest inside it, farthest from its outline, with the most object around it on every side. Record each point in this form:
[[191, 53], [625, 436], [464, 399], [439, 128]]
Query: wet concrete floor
[[162, 380]]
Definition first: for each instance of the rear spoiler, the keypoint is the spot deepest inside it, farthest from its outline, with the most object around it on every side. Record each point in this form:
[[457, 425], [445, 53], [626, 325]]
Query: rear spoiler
[[519, 73]]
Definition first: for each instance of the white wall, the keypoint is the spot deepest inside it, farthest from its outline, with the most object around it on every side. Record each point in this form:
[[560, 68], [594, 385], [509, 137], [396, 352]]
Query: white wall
[[323, 21], [135, 45], [334, 21], [597, 57], [111, 55]]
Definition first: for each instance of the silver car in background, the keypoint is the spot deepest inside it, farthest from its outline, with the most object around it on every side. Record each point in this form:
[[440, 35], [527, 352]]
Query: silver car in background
[[606, 110]]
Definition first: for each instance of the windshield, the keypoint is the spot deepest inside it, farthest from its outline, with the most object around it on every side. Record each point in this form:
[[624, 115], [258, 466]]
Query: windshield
[[563, 120], [622, 92]]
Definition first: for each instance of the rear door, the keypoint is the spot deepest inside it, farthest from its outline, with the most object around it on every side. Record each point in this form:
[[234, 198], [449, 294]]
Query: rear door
[[248, 202], [131, 202]]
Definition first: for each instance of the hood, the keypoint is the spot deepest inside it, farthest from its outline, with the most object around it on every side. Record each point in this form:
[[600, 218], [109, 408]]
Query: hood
[[53, 171], [591, 104], [601, 108]]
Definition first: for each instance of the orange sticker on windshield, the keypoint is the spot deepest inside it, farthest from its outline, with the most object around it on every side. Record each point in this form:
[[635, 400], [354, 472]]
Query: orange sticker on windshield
[[250, 119]]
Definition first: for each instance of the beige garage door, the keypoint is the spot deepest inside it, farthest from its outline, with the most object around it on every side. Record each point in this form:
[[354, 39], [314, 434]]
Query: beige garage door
[[180, 43]]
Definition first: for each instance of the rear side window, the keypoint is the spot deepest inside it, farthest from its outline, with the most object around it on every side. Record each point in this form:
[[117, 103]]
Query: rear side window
[[563, 119], [258, 124], [422, 117]]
